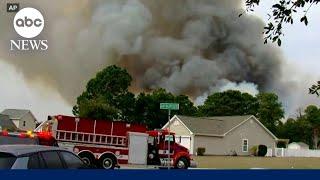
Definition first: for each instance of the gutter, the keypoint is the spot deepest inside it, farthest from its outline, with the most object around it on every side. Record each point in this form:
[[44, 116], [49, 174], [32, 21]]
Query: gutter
[[210, 135]]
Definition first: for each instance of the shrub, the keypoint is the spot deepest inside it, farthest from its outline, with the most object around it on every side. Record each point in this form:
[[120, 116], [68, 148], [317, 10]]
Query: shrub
[[201, 151], [253, 150], [262, 150]]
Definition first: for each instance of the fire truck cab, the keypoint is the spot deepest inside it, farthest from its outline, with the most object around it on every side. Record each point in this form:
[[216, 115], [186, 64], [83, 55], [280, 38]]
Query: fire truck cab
[[159, 143]]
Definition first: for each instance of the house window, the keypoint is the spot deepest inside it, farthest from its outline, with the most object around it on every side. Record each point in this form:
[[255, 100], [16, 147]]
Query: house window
[[24, 123], [245, 145]]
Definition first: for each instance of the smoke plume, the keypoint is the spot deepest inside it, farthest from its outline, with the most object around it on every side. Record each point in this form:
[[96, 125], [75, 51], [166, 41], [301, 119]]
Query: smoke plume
[[192, 47]]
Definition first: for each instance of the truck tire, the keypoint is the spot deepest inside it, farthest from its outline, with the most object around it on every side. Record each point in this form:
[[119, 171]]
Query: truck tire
[[87, 158], [108, 162], [182, 163]]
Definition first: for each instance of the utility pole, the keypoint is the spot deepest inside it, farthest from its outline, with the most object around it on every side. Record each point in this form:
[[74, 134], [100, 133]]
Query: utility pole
[[169, 138]]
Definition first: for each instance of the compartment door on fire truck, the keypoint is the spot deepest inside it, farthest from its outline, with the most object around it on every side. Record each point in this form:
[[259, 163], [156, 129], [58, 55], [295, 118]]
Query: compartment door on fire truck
[[138, 148]]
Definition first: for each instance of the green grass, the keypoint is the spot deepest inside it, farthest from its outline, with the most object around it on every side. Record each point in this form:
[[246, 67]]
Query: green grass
[[241, 162]]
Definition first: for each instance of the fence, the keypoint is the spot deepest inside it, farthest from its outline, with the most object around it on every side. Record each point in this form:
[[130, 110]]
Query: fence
[[283, 152]]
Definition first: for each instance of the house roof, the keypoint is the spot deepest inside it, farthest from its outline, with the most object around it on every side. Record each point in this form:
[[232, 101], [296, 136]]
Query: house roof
[[6, 123], [215, 126], [212, 125], [15, 113]]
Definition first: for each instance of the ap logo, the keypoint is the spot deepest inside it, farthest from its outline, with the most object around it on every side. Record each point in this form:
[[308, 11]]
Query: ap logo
[[28, 22]]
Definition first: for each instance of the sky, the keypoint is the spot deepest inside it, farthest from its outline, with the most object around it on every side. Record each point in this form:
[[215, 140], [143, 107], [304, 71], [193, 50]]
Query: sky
[[300, 43], [299, 46]]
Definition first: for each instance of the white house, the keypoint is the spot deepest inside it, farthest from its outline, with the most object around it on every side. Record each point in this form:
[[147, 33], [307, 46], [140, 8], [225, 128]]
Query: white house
[[23, 119]]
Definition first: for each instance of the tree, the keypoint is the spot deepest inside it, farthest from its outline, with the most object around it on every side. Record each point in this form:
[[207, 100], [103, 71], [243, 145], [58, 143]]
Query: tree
[[148, 107], [282, 12], [312, 115], [304, 128], [186, 106], [229, 103], [297, 130], [265, 106], [270, 110], [106, 96], [315, 89]]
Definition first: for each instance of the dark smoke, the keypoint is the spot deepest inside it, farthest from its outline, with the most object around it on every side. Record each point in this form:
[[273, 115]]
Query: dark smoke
[[193, 47]]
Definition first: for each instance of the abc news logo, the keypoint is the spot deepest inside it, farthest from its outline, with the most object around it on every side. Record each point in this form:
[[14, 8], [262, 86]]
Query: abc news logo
[[28, 23]]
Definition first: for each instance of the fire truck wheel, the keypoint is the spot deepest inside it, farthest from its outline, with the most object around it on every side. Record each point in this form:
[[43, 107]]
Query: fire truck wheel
[[182, 163], [108, 162]]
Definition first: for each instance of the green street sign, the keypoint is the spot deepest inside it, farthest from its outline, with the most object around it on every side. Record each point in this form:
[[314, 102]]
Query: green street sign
[[170, 106]]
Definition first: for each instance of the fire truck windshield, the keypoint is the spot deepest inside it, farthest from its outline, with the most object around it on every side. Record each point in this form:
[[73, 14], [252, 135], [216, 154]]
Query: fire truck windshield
[[169, 138]]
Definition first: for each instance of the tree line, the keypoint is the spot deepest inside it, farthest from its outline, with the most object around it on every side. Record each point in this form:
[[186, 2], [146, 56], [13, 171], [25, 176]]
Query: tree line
[[107, 96]]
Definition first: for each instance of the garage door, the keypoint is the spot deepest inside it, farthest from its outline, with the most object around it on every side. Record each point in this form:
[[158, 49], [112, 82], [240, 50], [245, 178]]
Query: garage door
[[184, 141]]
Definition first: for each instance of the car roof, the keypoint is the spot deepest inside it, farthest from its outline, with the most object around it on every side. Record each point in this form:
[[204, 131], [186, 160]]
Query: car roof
[[20, 150]]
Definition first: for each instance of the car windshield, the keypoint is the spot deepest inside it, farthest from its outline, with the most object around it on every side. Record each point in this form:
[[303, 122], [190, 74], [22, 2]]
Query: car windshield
[[6, 160]]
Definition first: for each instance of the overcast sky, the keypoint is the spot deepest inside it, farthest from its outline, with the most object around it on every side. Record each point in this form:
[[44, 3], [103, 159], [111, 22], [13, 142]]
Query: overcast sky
[[300, 44], [300, 47]]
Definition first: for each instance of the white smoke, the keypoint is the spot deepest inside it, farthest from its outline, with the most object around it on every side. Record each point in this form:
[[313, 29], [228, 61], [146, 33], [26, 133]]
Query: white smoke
[[225, 85], [243, 87]]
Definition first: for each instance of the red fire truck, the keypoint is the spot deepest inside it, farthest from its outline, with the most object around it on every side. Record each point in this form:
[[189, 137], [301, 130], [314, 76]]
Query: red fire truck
[[110, 143]]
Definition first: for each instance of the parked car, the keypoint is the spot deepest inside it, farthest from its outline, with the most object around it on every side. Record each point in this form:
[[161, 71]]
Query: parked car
[[38, 157]]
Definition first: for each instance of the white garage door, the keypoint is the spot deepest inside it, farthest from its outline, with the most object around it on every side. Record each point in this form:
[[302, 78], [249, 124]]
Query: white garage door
[[184, 141]]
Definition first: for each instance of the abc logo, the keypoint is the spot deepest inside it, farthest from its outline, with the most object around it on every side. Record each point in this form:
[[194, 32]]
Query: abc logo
[[28, 22]]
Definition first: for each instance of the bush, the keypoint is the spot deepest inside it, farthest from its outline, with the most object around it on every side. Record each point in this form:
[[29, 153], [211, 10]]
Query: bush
[[262, 150], [201, 151], [253, 150]]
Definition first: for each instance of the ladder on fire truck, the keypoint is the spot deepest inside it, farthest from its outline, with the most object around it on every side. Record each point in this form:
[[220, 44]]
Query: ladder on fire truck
[[90, 138]]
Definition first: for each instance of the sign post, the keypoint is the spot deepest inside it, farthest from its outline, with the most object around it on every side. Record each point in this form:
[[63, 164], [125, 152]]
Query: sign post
[[169, 107]]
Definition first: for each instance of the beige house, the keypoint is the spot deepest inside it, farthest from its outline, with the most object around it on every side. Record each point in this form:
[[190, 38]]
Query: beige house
[[224, 135], [23, 119]]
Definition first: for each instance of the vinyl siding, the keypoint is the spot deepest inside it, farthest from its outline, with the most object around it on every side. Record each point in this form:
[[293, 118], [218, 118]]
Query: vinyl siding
[[178, 128], [30, 122]]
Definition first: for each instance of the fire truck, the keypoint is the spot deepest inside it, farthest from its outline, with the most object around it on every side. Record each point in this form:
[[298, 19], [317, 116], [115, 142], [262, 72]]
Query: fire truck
[[109, 144]]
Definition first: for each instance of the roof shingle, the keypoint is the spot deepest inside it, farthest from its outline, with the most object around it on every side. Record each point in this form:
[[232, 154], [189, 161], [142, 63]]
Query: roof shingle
[[218, 125], [15, 113]]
